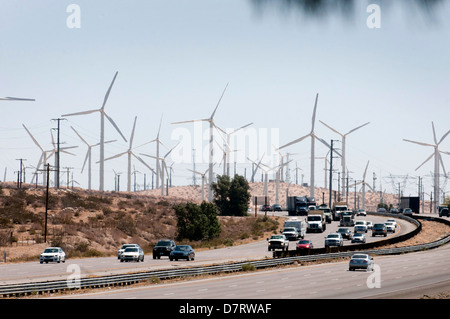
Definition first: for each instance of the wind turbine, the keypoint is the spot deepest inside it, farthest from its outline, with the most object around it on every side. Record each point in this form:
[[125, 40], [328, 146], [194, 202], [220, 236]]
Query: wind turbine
[[203, 175], [313, 137], [130, 154], [44, 156], [211, 138], [344, 136], [88, 155], [227, 149], [437, 159], [102, 131], [158, 142], [364, 184], [163, 166]]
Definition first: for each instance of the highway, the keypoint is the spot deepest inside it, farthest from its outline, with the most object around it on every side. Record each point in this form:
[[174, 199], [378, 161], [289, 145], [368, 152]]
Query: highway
[[34, 271], [403, 276]]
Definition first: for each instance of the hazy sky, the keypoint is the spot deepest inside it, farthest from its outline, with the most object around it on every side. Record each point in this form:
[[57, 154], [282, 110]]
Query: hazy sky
[[174, 59]]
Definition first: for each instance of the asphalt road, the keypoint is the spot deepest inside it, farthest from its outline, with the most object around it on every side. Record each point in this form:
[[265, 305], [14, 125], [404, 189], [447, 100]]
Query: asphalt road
[[402, 276], [34, 271]]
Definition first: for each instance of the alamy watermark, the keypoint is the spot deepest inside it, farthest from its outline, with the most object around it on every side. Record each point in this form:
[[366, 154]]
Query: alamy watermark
[[73, 21]]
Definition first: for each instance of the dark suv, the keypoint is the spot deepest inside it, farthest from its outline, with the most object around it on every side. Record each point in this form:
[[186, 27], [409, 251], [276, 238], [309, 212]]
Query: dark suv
[[163, 248], [379, 229], [444, 212]]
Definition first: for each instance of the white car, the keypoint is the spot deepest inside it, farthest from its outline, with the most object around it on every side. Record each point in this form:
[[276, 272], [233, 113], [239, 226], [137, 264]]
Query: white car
[[132, 254], [392, 221], [361, 212], [55, 254], [278, 242], [125, 246], [360, 229], [369, 224], [390, 226]]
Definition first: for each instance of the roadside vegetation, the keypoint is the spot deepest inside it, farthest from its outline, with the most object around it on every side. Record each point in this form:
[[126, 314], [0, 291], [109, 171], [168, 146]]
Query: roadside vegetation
[[91, 224]]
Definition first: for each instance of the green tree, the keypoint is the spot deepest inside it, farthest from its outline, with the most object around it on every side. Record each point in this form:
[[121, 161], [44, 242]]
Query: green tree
[[197, 222], [231, 196]]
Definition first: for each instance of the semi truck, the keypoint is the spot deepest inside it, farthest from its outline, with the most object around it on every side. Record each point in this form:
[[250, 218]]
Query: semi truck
[[298, 205], [337, 209]]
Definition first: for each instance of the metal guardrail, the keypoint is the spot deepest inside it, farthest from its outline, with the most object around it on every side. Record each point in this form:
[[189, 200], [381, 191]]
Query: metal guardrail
[[120, 280]]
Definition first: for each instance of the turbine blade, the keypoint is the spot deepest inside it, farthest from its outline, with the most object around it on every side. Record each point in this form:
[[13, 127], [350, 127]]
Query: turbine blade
[[314, 113], [213, 113], [331, 128], [8, 98], [429, 157], [32, 137], [109, 91], [420, 143], [80, 113], [295, 141], [115, 126], [80, 136], [85, 160], [443, 137], [434, 133], [142, 161], [357, 128], [132, 133], [115, 156]]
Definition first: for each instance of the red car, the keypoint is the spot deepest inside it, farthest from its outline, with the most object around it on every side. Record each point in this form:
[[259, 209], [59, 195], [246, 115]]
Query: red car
[[304, 244]]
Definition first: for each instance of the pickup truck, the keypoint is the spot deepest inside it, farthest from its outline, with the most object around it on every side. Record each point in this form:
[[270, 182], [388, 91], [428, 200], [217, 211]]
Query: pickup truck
[[316, 221], [291, 233], [334, 239], [278, 242]]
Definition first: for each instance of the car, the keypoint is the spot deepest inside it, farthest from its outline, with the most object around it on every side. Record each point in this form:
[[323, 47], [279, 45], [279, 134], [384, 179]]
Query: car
[[379, 229], [381, 210], [132, 254], [278, 242], [407, 212], [305, 244], [369, 224], [334, 239], [265, 208], [444, 212], [122, 249], [390, 226], [361, 212], [391, 220], [163, 248], [361, 261], [345, 233], [291, 233], [276, 208], [360, 229], [358, 238], [55, 254], [394, 211], [182, 252]]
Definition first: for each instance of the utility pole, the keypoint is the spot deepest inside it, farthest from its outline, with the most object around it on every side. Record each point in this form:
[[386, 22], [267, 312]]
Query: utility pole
[[331, 175], [19, 179], [57, 153]]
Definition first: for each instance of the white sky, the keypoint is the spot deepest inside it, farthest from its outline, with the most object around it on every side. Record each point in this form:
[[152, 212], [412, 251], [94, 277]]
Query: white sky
[[174, 59]]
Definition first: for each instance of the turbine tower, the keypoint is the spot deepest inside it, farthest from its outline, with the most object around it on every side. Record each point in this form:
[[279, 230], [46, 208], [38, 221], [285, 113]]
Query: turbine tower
[[88, 156], [211, 146], [158, 142], [344, 136], [102, 131], [437, 160], [313, 137], [203, 175]]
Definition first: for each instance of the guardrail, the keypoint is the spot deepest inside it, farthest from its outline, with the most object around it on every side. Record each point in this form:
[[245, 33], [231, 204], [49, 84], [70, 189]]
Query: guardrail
[[121, 280]]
